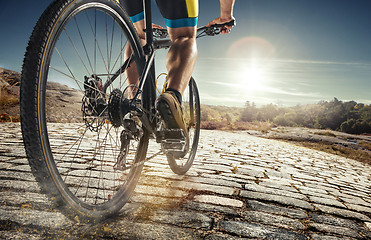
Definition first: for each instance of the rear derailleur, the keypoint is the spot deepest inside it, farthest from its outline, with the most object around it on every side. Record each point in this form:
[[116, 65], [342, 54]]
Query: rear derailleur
[[124, 112]]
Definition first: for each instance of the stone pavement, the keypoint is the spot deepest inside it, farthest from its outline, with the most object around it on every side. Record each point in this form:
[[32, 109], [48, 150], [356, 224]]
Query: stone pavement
[[240, 186]]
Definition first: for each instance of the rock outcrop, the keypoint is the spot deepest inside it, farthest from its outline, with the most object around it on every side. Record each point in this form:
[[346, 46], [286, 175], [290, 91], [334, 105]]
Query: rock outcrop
[[62, 102]]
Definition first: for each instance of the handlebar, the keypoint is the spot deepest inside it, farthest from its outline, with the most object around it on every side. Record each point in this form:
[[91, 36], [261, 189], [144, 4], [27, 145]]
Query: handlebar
[[201, 31], [214, 29]]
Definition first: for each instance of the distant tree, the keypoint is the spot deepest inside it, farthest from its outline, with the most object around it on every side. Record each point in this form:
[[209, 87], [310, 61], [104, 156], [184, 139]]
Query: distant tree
[[333, 115], [355, 126], [228, 117], [268, 112], [249, 112], [204, 115], [365, 113]]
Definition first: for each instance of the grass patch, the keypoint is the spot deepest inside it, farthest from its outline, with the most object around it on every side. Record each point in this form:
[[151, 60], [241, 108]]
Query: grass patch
[[225, 125], [366, 145], [7, 100], [326, 133], [7, 118]]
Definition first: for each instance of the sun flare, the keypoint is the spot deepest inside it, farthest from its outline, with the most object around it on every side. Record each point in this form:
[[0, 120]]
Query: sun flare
[[252, 77]]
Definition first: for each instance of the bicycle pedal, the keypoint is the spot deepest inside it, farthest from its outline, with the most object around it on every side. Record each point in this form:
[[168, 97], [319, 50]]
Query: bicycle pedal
[[173, 145], [175, 134], [173, 142]]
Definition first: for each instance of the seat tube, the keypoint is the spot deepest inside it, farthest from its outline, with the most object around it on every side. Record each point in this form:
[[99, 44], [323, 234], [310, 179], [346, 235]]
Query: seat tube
[[149, 88], [148, 21]]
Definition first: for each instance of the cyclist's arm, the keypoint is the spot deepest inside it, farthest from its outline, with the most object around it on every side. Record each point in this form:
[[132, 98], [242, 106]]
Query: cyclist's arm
[[226, 15], [226, 10]]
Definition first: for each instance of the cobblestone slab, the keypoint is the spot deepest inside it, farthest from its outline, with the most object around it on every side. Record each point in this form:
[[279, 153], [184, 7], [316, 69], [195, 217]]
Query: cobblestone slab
[[159, 191], [342, 212], [32, 217], [218, 200], [278, 199], [18, 235], [275, 220], [203, 187], [331, 201], [246, 229], [29, 199], [222, 237], [270, 208], [359, 208], [18, 185], [188, 219], [211, 208], [240, 187], [316, 236], [343, 231], [330, 220], [368, 225], [268, 190], [16, 175], [124, 229]]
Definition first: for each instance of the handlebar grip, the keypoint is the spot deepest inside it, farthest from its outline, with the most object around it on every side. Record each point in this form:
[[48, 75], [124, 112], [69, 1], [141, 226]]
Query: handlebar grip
[[230, 23]]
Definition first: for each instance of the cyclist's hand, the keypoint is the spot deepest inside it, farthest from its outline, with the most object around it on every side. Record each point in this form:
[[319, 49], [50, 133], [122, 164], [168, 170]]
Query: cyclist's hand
[[226, 29]]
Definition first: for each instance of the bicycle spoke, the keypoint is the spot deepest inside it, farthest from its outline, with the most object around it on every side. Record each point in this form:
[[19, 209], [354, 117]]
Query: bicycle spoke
[[94, 31], [113, 31], [69, 69], [108, 67], [74, 154], [120, 55], [76, 80], [101, 171], [83, 43], [81, 137], [97, 146], [65, 30]]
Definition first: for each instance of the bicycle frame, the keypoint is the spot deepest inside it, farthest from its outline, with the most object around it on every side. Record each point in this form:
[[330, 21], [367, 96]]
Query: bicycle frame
[[147, 79], [147, 83]]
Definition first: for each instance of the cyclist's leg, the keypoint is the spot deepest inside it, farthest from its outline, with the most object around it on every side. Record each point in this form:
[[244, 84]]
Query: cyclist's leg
[[181, 57], [132, 73], [181, 19], [136, 14]]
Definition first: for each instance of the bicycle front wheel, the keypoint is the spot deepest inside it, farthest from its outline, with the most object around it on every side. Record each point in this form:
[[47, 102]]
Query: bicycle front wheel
[[192, 118], [79, 53]]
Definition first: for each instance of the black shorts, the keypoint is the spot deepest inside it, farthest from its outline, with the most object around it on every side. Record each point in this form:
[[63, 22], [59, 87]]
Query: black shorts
[[177, 13]]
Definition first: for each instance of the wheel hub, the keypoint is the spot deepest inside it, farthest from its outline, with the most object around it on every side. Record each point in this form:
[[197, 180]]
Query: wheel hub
[[118, 107], [93, 103]]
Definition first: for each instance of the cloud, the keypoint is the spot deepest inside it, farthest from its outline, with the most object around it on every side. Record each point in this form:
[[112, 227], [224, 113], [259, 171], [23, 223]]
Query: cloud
[[286, 81], [266, 89]]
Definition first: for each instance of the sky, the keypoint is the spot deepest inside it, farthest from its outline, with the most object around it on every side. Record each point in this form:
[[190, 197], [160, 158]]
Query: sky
[[285, 52]]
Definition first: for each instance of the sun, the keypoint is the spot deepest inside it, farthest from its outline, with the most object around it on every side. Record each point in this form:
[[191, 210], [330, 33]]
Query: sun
[[252, 77]]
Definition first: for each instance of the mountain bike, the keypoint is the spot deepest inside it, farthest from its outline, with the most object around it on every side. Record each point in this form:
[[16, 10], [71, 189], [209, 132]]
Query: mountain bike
[[86, 130]]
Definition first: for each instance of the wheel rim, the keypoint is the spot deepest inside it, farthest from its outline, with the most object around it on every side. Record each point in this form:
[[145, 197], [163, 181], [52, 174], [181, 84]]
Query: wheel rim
[[90, 42]]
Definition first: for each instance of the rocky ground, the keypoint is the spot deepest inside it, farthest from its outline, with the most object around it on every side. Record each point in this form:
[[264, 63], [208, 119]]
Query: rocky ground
[[240, 186], [353, 146], [64, 102], [9, 92], [316, 135]]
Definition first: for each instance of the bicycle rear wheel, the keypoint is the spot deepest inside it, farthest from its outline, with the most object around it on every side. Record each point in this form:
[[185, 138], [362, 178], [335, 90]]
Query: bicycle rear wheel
[[192, 117], [72, 142]]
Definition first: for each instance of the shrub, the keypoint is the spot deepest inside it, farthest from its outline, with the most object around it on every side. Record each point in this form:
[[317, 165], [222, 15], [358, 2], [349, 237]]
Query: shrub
[[355, 126]]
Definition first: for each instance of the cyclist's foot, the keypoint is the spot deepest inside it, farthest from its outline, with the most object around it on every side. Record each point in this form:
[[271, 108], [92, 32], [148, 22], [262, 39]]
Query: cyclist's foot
[[171, 113]]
